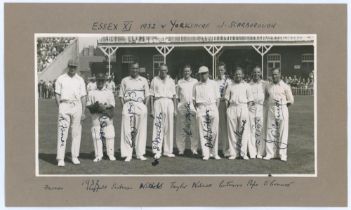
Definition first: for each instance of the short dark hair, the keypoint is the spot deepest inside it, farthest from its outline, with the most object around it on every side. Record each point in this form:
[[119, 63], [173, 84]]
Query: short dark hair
[[238, 68], [221, 64], [163, 64], [132, 64], [276, 69], [186, 66], [256, 67]]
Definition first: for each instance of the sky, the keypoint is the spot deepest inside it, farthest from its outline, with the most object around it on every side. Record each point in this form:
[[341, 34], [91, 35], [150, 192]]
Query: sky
[[86, 41]]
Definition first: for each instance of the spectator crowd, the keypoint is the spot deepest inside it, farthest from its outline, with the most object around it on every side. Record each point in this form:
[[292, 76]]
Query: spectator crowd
[[46, 90], [298, 82], [294, 81], [49, 48]]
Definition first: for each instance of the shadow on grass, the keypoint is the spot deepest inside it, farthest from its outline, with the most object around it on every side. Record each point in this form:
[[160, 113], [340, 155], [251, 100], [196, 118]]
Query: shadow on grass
[[51, 158], [187, 153]]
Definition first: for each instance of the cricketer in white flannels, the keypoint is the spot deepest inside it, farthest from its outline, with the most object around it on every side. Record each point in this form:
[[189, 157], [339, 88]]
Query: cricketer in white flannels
[[70, 95]]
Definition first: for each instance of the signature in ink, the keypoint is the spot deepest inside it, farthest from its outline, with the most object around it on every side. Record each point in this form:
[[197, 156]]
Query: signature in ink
[[103, 125], [135, 95], [277, 143], [188, 117], [275, 130], [63, 125], [158, 124], [276, 125], [278, 109], [240, 135], [209, 134], [132, 123], [258, 130], [93, 185], [187, 132], [222, 86], [241, 131]]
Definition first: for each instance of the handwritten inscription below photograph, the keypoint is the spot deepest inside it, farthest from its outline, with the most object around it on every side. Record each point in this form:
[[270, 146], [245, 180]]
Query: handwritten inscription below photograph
[[176, 104]]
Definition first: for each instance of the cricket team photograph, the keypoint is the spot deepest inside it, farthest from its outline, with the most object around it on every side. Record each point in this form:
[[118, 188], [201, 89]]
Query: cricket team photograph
[[235, 118]]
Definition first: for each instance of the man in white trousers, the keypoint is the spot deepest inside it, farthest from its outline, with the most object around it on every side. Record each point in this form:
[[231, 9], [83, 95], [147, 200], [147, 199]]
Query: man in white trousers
[[258, 114], [223, 82], [163, 101], [206, 98], [186, 118], [70, 95], [238, 96], [134, 95], [279, 98], [101, 104]]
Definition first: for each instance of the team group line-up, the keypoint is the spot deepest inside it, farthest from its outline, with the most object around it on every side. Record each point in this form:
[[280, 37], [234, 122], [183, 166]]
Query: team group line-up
[[250, 118]]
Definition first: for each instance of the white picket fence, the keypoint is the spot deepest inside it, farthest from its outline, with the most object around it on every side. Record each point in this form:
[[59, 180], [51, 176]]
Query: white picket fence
[[302, 91]]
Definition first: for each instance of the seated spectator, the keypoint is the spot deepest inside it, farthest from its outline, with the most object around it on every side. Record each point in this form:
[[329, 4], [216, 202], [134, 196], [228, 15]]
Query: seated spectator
[[298, 82], [48, 48]]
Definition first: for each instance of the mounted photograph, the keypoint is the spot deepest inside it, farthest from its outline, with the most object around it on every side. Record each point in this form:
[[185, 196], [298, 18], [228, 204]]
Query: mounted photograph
[[176, 105]]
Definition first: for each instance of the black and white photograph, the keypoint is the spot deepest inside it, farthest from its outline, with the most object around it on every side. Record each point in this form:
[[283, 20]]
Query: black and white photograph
[[176, 104]]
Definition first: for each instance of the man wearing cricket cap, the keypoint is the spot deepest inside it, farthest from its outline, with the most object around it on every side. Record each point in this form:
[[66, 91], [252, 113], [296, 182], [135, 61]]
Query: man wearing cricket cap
[[206, 99], [101, 103], [70, 96]]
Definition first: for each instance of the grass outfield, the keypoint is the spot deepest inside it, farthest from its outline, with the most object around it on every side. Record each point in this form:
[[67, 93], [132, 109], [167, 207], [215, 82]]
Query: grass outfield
[[300, 151]]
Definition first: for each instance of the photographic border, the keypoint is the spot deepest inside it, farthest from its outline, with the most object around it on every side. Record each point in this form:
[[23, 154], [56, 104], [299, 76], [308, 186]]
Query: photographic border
[[98, 35]]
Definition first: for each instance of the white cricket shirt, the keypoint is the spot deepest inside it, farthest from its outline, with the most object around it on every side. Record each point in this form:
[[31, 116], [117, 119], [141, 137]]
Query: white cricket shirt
[[162, 88], [206, 92], [279, 93], [70, 88], [184, 90], [258, 91], [134, 89], [238, 93]]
